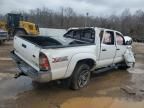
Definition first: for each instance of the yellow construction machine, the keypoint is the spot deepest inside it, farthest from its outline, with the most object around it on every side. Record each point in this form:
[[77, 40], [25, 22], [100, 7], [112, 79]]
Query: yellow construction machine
[[16, 24]]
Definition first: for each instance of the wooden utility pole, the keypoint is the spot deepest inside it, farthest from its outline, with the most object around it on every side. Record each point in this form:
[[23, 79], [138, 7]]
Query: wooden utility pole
[[86, 20]]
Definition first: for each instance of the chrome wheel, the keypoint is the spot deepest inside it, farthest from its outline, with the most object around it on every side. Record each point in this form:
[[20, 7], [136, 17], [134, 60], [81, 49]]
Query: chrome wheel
[[80, 77], [83, 78]]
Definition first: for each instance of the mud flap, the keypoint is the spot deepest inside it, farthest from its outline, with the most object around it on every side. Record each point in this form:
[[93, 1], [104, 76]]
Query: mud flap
[[129, 57]]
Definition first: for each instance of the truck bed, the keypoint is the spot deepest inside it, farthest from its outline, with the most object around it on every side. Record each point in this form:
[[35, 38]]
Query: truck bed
[[29, 47], [54, 42], [41, 40]]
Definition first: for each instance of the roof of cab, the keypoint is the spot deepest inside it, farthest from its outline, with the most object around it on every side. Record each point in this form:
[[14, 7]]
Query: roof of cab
[[96, 28]]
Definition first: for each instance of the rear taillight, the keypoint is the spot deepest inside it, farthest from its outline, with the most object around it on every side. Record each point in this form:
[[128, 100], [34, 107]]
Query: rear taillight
[[43, 62]]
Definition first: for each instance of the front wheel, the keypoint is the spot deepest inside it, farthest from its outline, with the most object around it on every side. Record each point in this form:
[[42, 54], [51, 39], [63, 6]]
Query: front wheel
[[123, 66], [80, 77]]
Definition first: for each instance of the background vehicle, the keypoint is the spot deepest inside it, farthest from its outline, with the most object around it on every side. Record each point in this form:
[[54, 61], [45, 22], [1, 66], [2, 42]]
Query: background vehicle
[[72, 57], [3, 36], [17, 25]]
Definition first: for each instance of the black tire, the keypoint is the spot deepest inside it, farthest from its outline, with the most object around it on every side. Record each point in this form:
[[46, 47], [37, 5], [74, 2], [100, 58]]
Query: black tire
[[123, 66], [20, 32], [80, 77]]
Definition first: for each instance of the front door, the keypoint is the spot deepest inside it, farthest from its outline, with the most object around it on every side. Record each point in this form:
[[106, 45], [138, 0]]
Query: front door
[[120, 47]]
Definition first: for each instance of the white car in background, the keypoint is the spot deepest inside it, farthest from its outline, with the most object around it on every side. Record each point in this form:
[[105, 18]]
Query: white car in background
[[3, 35]]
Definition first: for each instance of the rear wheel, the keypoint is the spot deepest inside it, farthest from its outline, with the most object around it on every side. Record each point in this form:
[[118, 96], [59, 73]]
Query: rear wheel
[[80, 77]]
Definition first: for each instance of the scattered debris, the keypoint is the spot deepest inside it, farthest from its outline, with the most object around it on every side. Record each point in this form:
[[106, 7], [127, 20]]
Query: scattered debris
[[142, 90], [129, 90]]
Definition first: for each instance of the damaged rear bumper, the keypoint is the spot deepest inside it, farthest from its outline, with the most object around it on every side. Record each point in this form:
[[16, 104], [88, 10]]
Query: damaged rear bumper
[[27, 70]]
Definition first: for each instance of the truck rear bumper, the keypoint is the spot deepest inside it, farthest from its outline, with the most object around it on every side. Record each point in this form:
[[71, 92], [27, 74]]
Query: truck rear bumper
[[25, 69]]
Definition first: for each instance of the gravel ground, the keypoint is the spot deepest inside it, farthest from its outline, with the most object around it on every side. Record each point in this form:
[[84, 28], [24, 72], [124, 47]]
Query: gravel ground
[[111, 89]]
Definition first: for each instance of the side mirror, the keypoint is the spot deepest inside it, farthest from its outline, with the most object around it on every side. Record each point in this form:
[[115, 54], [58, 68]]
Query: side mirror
[[128, 40]]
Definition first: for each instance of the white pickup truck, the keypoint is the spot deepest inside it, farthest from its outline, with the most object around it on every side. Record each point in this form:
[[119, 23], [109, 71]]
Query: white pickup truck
[[72, 57]]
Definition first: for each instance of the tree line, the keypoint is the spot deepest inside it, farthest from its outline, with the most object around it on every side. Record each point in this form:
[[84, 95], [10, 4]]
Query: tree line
[[128, 23]]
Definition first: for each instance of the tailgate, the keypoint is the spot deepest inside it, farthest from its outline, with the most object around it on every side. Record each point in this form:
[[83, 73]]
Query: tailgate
[[27, 51]]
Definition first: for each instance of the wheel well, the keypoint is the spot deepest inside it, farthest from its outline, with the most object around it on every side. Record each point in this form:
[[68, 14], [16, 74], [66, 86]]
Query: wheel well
[[89, 62]]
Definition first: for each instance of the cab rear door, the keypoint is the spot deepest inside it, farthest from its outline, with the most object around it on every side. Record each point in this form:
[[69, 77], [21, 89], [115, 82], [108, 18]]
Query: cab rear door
[[107, 48]]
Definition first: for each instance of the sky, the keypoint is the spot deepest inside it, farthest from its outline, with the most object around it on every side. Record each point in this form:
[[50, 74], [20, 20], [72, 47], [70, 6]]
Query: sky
[[93, 7]]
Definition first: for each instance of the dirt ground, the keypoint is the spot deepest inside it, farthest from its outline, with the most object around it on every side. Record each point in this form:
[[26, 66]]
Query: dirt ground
[[111, 89]]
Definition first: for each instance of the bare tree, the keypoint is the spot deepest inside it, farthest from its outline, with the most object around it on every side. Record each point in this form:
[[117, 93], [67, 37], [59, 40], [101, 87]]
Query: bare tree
[[127, 23]]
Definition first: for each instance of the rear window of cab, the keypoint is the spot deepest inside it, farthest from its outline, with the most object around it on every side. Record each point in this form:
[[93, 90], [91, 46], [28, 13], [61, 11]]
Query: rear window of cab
[[87, 35]]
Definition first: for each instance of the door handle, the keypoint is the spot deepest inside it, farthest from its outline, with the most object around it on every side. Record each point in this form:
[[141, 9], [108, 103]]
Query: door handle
[[117, 49], [33, 56], [24, 46], [104, 50]]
